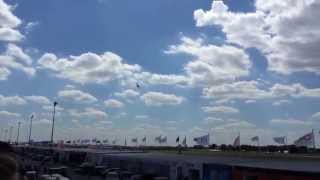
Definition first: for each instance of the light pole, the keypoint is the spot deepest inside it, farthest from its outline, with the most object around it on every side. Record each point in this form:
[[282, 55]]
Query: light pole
[[2, 134], [10, 134], [54, 112], [5, 134], [30, 128], [17, 142]]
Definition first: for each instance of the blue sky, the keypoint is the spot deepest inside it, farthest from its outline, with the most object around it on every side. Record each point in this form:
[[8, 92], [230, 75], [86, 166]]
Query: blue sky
[[202, 66]]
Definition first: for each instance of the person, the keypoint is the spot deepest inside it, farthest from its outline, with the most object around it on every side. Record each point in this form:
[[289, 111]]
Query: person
[[8, 163]]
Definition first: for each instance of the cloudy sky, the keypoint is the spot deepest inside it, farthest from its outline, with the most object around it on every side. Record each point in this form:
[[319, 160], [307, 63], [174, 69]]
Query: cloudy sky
[[249, 66]]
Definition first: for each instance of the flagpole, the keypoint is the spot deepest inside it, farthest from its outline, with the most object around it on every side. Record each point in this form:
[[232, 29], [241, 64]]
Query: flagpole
[[286, 140], [314, 143], [239, 141], [30, 129]]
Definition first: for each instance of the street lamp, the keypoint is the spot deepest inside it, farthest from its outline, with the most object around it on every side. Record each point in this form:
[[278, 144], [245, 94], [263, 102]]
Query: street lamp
[[10, 134], [5, 134], [17, 141], [30, 128], [54, 112]]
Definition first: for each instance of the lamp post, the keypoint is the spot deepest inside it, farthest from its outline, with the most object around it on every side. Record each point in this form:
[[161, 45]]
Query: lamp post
[[10, 134], [5, 134], [30, 128], [54, 112], [17, 141]]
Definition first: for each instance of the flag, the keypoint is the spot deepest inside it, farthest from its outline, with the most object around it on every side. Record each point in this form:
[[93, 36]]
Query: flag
[[158, 139], [280, 140], [306, 140], [177, 140], [84, 141], [236, 142], [255, 139], [134, 140], [144, 139], [202, 140], [184, 142], [163, 140]]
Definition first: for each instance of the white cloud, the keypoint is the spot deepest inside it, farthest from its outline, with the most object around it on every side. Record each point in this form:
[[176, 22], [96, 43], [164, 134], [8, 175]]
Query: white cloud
[[16, 52], [11, 100], [8, 21], [15, 58], [89, 67], [42, 121], [212, 120], [236, 90], [212, 64], [289, 122], [38, 99], [4, 73], [10, 62], [159, 99], [316, 116], [8, 34], [281, 102], [113, 103], [250, 101], [9, 115], [129, 93], [77, 96], [50, 108], [142, 116], [90, 113], [250, 90], [277, 28], [69, 86], [162, 79], [236, 125], [30, 26], [7, 18], [220, 109], [100, 68], [197, 130]]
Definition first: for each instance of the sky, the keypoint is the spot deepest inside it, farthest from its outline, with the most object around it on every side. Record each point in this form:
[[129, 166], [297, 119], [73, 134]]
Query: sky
[[219, 67]]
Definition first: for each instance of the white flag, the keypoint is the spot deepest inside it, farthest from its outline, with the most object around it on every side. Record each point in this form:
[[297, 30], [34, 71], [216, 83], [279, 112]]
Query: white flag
[[163, 140], [280, 140], [202, 140], [134, 140], [236, 142], [255, 139], [184, 142], [158, 139], [306, 140]]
